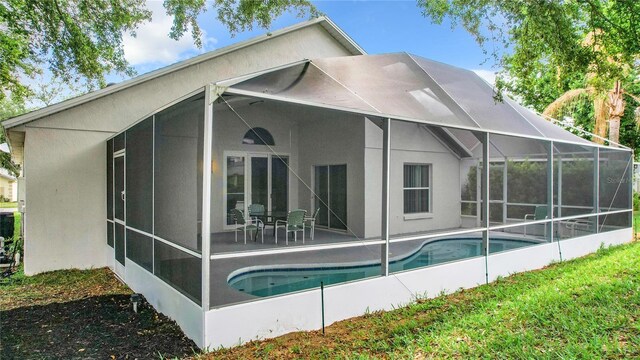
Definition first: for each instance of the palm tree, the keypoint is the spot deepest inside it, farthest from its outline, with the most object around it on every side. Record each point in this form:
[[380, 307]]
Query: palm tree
[[608, 105], [608, 109]]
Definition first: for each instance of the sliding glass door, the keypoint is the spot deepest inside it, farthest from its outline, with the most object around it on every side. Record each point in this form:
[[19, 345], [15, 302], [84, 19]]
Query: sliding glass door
[[330, 187], [279, 183]]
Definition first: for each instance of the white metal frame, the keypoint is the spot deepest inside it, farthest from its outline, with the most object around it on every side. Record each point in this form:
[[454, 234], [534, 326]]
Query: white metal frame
[[118, 267]]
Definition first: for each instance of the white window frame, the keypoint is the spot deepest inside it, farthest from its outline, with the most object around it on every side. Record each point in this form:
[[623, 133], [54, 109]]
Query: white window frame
[[421, 214]]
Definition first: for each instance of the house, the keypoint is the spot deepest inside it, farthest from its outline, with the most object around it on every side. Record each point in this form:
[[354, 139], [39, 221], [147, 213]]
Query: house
[[8, 186], [294, 180]]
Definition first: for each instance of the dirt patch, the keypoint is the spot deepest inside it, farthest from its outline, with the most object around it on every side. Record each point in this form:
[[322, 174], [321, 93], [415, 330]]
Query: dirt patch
[[93, 320]]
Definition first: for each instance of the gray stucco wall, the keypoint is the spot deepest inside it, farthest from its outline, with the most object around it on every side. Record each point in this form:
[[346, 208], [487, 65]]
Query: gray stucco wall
[[228, 132], [308, 136], [329, 138], [411, 143], [65, 169]]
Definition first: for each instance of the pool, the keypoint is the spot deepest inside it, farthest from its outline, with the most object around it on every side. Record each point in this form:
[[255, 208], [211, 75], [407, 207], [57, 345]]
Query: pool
[[276, 280]]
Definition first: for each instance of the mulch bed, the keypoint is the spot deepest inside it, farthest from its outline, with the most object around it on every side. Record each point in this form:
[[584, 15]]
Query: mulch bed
[[91, 327]]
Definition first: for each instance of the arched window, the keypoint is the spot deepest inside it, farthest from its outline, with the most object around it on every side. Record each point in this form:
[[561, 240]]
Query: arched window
[[258, 136]]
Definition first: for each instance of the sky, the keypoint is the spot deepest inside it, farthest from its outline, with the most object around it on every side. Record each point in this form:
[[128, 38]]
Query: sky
[[377, 26]]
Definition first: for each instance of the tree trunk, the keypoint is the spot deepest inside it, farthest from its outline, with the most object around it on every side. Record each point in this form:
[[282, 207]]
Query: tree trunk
[[601, 113], [616, 111], [614, 129]]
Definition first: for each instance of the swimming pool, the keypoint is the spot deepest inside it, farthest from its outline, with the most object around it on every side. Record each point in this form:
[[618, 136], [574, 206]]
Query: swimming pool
[[271, 280]]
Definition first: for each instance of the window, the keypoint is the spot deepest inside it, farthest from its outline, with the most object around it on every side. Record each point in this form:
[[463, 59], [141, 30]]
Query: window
[[417, 188], [258, 136]]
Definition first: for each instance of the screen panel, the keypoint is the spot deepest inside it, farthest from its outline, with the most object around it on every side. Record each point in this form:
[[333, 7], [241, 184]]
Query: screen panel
[[140, 249], [139, 167], [119, 242], [110, 234], [614, 177], [178, 172], [574, 179], [179, 269]]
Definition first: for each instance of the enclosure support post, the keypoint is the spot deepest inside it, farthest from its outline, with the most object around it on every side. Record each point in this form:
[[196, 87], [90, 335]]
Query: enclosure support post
[[386, 156], [550, 175], [596, 187], [485, 202], [206, 205], [504, 190], [478, 195], [559, 187]]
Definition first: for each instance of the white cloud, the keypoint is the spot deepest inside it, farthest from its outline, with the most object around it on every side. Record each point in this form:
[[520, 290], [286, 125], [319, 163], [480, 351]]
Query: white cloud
[[152, 45], [488, 75]]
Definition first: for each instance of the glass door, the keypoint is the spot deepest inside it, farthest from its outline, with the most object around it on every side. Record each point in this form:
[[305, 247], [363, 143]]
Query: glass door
[[279, 183], [330, 187], [266, 182], [338, 197], [235, 185], [259, 180]]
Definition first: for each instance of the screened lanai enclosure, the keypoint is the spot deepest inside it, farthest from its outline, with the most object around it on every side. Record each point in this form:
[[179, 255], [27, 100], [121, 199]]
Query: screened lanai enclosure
[[380, 177]]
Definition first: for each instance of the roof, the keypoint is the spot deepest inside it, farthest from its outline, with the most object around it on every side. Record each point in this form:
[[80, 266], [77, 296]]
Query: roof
[[325, 22], [400, 86]]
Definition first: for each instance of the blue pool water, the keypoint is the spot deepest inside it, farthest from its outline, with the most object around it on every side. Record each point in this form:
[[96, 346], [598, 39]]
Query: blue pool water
[[268, 281]]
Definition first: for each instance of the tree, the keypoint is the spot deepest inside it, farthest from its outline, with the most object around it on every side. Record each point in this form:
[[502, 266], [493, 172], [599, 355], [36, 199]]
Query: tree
[[547, 48], [82, 40], [9, 107]]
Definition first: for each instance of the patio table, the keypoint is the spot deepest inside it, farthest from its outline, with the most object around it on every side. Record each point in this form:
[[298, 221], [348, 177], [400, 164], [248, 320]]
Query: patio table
[[270, 218]]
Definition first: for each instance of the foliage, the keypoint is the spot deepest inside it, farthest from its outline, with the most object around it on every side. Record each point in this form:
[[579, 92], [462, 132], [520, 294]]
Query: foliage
[[17, 225], [546, 48], [74, 39], [9, 107], [236, 15], [83, 40], [534, 35]]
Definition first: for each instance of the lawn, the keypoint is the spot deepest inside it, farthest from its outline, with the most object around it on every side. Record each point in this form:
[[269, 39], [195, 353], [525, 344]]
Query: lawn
[[78, 315], [586, 308]]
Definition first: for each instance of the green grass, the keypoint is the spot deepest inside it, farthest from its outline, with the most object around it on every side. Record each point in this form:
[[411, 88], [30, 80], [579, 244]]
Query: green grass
[[8, 205], [586, 308], [17, 224]]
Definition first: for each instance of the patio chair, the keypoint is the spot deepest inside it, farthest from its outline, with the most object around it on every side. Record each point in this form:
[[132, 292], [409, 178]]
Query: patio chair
[[294, 223], [311, 220], [540, 213], [256, 209], [246, 225]]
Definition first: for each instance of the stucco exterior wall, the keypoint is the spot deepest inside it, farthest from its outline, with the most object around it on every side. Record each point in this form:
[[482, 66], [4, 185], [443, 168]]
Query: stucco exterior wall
[[228, 132], [413, 144], [331, 138], [65, 153]]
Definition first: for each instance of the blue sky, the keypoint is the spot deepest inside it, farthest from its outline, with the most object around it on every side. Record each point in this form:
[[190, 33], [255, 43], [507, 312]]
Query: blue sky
[[377, 26]]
